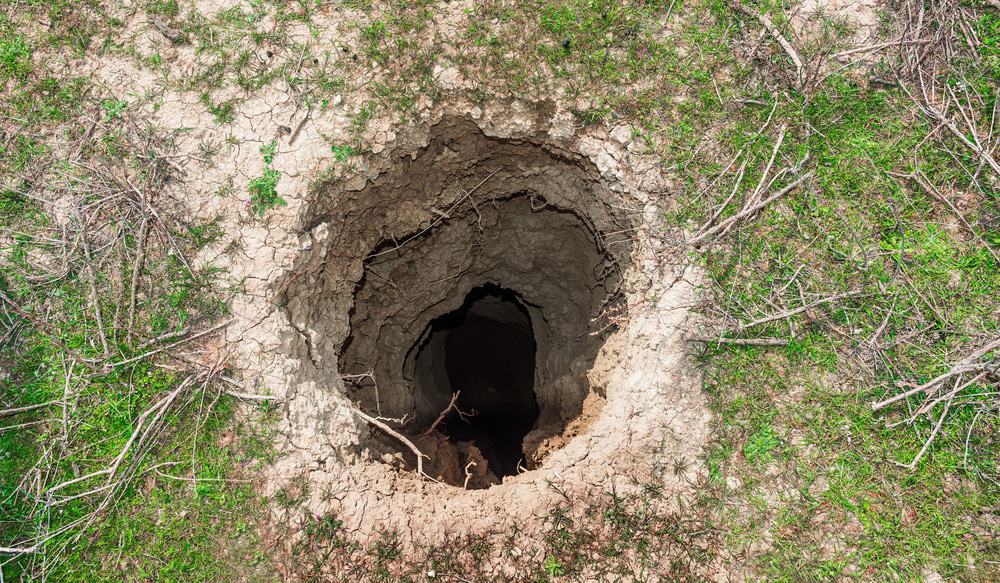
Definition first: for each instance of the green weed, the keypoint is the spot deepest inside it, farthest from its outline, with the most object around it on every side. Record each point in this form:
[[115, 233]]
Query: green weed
[[264, 189], [15, 57]]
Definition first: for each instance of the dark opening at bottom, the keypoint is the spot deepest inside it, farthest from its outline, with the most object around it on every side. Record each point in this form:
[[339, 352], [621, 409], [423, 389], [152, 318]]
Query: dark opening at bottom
[[489, 356]]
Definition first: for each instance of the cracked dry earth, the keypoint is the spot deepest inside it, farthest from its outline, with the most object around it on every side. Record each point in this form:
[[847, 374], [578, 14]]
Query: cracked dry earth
[[509, 265], [498, 254], [504, 255]]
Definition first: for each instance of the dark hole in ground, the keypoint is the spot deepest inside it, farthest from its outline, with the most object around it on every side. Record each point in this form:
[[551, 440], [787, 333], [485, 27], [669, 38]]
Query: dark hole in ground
[[489, 356]]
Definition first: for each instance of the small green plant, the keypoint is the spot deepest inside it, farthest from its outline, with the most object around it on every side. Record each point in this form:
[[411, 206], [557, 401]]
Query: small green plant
[[264, 192], [268, 151], [359, 121], [342, 152], [373, 37], [264, 189], [554, 568], [223, 113], [761, 444], [15, 58], [113, 109], [165, 7]]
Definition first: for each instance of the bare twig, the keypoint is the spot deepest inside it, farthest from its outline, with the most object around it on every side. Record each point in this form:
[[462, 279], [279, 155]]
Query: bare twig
[[773, 30], [444, 413], [145, 355], [92, 280], [18, 410], [964, 365], [18, 550], [468, 474], [739, 341], [748, 211], [136, 270], [925, 183], [436, 222], [399, 436], [930, 438], [799, 310]]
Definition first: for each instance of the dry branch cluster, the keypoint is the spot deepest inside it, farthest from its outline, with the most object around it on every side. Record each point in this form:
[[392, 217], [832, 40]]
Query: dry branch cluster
[[931, 58], [83, 282], [930, 63]]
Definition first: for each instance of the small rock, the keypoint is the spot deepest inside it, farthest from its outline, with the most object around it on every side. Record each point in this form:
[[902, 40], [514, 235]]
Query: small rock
[[172, 34], [622, 134], [447, 77]]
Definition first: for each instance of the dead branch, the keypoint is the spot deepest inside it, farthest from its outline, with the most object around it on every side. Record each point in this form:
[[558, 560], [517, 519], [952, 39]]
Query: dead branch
[[925, 183], [399, 436], [18, 550], [136, 270], [967, 364], [468, 474], [23, 425], [92, 281], [18, 410], [145, 355], [739, 341], [878, 47], [250, 397], [436, 222], [747, 211], [930, 438], [444, 413], [774, 32], [789, 313]]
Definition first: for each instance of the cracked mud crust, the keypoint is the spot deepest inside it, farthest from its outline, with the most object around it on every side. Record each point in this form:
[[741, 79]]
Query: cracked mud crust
[[366, 260]]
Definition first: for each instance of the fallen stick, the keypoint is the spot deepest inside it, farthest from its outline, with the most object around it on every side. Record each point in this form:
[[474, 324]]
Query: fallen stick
[[924, 183], [799, 310], [94, 297], [927, 443], [241, 394], [466, 194], [18, 550], [399, 436], [249, 397], [959, 367], [740, 341], [215, 328], [441, 417], [773, 30], [17, 410], [468, 475], [879, 46], [749, 210]]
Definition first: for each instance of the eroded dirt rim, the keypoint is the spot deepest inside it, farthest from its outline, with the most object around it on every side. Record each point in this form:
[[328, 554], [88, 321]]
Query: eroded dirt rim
[[453, 207], [535, 224]]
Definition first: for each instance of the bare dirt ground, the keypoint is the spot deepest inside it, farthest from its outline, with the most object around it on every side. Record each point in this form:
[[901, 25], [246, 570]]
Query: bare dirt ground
[[322, 196]]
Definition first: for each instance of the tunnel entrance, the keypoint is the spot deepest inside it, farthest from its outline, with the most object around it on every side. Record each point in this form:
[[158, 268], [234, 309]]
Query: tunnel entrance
[[481, 268], [489, 360]]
